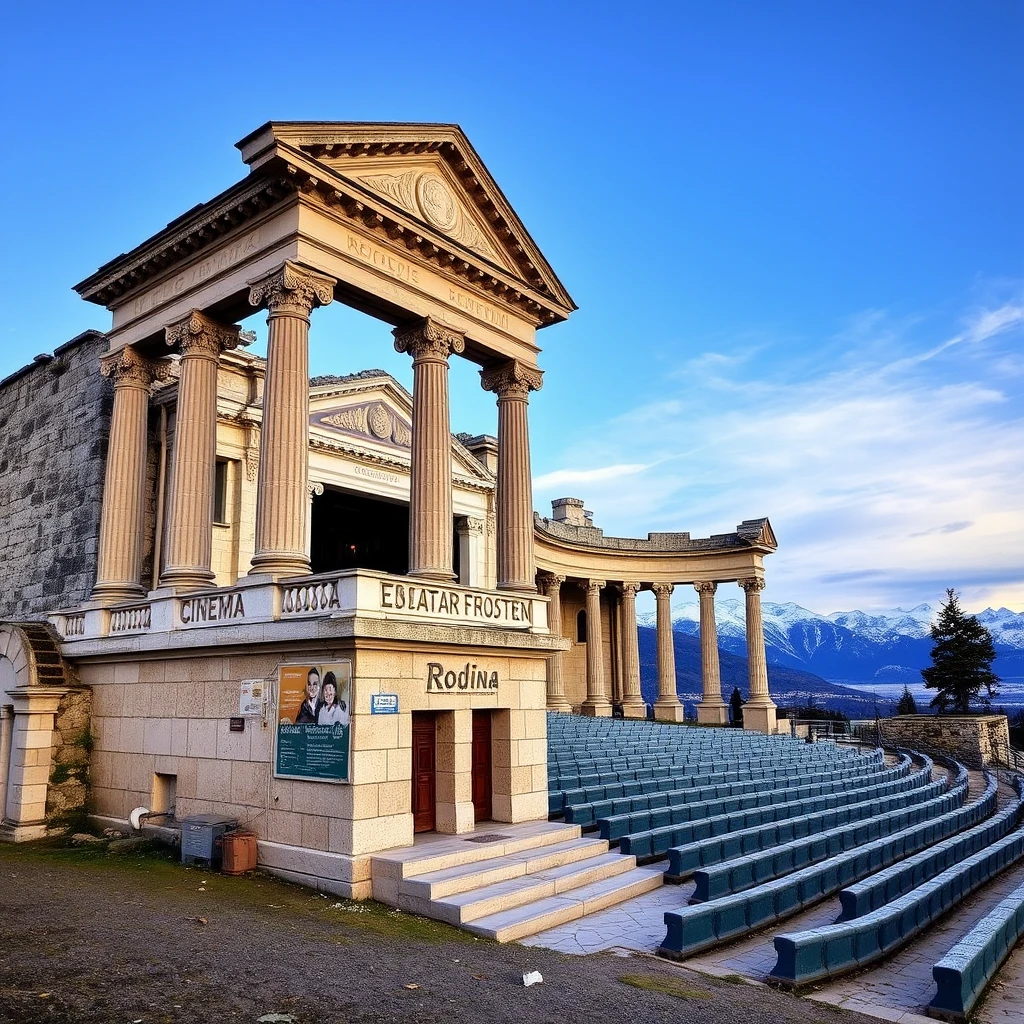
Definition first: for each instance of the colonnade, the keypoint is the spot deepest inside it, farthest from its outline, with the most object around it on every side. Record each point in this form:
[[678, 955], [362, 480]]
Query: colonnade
[[289, 294], [624, 687]]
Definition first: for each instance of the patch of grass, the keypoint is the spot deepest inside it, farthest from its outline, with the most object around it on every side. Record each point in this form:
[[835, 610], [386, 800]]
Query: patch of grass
[[733, 979], [664, 985], [384, 920]]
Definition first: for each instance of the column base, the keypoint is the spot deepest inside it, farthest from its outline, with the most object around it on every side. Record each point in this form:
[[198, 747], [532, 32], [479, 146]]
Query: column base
[[559, 704], [181, 581], [638, 710], [434, 575], [669, 712], [523, 588], [596, 709], [12, 833], [277, 566], [114, 593], [759, 718], [712, 714]]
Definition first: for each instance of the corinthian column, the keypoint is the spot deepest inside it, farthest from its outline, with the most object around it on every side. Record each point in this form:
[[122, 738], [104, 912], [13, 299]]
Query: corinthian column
[[193, 466], [431, 531], [552, 584], [632, 701], [597, 703], [667, 707], [712, 709], [290, 294], [512, 383], [759, 711], [119, 558]]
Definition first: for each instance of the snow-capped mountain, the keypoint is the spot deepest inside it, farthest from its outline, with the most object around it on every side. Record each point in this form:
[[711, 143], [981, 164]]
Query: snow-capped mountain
[[850, 646]]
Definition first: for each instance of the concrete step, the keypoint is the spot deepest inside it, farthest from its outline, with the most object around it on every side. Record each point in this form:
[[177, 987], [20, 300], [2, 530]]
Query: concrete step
[[463, 907], [531, 918], [434, 885]]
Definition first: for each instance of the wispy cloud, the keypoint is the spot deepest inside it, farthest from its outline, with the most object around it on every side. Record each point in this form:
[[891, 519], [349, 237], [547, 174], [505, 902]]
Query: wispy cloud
[[868, 466]]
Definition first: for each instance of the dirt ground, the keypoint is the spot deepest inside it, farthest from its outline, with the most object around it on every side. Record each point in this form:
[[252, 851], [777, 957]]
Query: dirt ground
[[90, 936]]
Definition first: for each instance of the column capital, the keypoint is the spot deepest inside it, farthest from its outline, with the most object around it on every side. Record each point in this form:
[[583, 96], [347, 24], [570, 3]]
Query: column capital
[[512, 379], [315, 489], [130, 370], [428, 341], [551, 581], [476, 526], [292, 289], [198, 335], [596, 586], [752, 585], [663, 589], [705, 587], [629, 587]]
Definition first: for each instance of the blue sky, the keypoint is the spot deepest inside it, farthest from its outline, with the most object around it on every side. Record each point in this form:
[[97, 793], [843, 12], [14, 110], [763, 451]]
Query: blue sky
[[795, 232]]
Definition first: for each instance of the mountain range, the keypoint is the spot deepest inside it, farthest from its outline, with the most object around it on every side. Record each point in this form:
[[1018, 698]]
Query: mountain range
[[832, 660]]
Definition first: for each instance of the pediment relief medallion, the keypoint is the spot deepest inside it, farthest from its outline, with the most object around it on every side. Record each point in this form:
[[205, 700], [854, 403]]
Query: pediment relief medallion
[[371, 420], [426, 195]]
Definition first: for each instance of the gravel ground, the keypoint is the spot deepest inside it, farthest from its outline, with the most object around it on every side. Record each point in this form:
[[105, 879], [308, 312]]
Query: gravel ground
[[89, 936]]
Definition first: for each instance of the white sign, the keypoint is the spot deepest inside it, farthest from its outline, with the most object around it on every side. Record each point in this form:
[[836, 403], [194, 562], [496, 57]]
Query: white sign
[[251, 698], [399, 599]]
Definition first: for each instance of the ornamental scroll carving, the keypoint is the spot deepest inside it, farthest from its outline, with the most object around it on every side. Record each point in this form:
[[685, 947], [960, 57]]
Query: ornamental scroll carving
[[751, 586], [426, 195], [198, 335], [705, 587], [512, 380], [292, 289], [129, 369], [373, 420], [428, 340]]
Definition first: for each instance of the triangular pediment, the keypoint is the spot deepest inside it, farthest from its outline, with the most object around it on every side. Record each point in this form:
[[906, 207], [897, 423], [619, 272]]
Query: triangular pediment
[[757, 532], [372, 412], [431, 175]]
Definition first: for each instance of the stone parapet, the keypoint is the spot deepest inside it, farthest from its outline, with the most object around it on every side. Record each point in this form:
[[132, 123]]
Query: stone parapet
[[974, 740]]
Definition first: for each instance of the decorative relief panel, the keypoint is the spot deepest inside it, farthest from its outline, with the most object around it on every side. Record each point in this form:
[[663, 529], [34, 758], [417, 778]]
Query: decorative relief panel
[[373, 420], [427, 195]]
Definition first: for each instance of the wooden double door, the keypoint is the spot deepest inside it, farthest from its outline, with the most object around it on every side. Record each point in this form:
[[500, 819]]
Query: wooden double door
[[424, 769]]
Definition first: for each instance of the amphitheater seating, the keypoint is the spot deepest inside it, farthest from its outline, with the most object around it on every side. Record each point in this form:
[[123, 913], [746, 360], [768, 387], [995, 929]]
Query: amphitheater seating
[[964, 972], [804, 957], [692, 929]]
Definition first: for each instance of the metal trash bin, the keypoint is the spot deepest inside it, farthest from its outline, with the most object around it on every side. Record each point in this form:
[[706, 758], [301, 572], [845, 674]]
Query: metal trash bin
[[200, 837]]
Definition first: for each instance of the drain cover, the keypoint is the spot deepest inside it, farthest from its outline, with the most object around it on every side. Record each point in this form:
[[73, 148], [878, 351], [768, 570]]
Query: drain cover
[[491, 838]]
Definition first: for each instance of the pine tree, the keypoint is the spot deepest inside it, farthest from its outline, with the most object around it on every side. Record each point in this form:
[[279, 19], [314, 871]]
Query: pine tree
[[962, 657], [906, 704], [736, 705]]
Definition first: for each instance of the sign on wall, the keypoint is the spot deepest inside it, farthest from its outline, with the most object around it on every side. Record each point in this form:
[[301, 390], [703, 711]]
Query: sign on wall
[[383, 703], [313, 721]]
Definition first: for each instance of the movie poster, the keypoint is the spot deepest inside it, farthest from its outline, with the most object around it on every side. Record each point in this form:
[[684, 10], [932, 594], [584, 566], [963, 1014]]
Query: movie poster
[[313, 721]]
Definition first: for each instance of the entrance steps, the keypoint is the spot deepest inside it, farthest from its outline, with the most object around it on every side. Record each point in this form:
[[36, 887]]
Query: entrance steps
[[509, 881]]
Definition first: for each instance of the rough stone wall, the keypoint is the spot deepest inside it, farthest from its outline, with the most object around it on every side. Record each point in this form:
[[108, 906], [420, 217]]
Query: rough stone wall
[[974, 740], [68, 789], [54, 421]]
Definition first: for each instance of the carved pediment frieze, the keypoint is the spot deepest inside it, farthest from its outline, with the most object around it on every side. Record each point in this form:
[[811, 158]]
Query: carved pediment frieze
[[374, 421]]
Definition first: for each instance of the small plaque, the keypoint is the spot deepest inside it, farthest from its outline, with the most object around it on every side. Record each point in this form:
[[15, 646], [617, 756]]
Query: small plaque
[[383, 703], [236, 724], [251, 699]]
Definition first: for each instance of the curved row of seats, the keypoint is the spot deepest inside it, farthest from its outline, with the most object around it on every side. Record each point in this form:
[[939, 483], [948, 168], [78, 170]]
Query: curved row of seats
[[804, 957], [692, 929], [694, 789], [658, 842], [744, 873], [963, 974]]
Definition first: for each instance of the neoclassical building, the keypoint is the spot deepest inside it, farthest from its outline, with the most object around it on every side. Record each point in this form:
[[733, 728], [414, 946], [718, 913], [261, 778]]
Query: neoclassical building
[[313, 608]]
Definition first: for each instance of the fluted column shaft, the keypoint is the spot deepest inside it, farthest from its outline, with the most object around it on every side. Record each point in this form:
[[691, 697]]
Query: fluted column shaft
[[597, 703], [756, 659], [290, 294], [632, 700], [513, 382], [193, 463], [431, 529], [712, 709], [556, 700], [666, 707], [119, 557]]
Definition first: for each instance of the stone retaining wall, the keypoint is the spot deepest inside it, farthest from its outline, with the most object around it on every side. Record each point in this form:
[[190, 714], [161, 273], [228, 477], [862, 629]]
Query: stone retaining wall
[[974, 740]]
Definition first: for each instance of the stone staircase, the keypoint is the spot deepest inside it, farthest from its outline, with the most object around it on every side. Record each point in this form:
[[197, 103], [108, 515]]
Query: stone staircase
[[507, 882]]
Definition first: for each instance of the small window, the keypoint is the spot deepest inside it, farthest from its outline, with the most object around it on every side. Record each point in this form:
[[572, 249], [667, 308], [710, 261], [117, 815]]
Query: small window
[[165, 791], [220, 493], [581, 626]]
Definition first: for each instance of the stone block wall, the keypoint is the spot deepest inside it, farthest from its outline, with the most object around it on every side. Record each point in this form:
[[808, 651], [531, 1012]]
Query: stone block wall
[[54, 421], [974, 740], [68, 788]]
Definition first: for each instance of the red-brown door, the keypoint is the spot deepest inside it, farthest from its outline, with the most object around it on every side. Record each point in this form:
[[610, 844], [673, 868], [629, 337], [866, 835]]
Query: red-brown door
[[482, 765], [424, 781]]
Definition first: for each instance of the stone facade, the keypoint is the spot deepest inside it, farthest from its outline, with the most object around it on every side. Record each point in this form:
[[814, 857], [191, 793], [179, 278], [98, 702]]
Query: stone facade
[[70, 749], [54, 416], [974, 740]]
